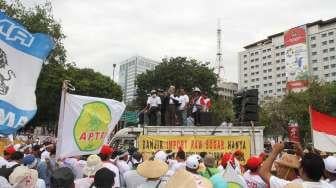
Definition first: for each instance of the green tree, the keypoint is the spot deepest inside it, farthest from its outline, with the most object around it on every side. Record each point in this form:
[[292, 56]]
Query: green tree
[[222, 110], [180, 72]]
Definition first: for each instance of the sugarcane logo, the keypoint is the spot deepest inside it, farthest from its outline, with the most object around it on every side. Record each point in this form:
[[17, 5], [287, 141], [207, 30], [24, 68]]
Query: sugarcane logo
[[92, 126], [4, 88]]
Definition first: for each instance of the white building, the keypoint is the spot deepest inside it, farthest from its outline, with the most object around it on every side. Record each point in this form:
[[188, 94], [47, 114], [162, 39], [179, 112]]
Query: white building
[[227, 89], [262, 64], [128, 70]]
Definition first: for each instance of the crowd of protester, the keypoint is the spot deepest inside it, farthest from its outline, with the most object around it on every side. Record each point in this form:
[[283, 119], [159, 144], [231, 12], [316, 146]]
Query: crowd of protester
[[175, 107], [36, 166]]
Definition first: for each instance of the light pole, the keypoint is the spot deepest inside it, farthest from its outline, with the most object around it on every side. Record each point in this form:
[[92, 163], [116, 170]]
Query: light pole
[[114, 66]]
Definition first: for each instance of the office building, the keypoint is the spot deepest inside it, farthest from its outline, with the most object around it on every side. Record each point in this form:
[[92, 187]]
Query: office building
[[128, 70], [266, 64], [227, 89]]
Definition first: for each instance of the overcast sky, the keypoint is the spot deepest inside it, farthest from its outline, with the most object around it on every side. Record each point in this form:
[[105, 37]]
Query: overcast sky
[[102, 32]]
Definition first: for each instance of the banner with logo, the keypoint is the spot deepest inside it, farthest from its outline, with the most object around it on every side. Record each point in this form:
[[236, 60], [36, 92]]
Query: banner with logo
[[216, 145], [21, 57], [296, 54], [85, 123]]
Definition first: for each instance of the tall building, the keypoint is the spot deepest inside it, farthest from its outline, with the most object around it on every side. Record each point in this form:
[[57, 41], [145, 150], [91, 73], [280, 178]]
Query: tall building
[[268, 65], [227, 89], [128, 70]]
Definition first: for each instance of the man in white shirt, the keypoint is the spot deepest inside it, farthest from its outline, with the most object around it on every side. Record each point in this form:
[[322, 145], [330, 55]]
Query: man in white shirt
[[251, 176], [311, 169], [153, 106], [105, 156], [182, 109]]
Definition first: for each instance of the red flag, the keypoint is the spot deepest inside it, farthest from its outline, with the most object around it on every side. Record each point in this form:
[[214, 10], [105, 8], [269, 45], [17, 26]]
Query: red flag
[[323, 131]]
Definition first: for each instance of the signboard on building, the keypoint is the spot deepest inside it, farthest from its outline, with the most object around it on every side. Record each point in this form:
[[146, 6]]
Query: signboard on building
[[297, 86], [296, 54]]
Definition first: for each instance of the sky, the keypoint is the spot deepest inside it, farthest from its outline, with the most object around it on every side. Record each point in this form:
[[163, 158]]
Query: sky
[[100, 33]]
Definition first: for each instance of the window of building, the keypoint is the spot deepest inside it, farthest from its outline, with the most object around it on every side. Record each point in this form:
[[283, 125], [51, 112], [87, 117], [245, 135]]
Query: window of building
[[252, 80], [325, 51], [257, 72], [314, 53], [264, 57], [324, 43], [315, 69], [252, 54], [314, 61], [325, 59], [264, 71], [245, 87], [278, 83], [265, 78], [282, 53], [330, 33], [265, 92], [282, 46], [245, 75], [269, 63], [316, 77], [245, 81], [331, 41], [332, 57], [278, 75], [256, 53], [257, 79], [333, 65], [264, 64], [282, 60], [283, 74], [326, 75], [312, 38], [270, 84], [245, 62], [252, 67], [277, 47], [269, 49], [252, 73], [245, 68], [278, 68], [252, 87], [331, 49], [326, 67], [269, 70], [265, 85], [323, 34], [269, 77], [278, 90], [313, 45], [269, 56], [270, 91], [277, 61], [277, 54], [264, 51], [257, 86], [257, 59], [252, 60], [333, 74], [257, 66], [283, 89], [245, 56], [284, 81]]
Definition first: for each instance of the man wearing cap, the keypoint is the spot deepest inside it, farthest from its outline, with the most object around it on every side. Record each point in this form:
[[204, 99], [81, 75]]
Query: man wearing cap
[[196, 103], [251, 176], [153, 106], [330, 170], [192, 165], [31, 162], [122, 161], [105, 155], [7, 153]]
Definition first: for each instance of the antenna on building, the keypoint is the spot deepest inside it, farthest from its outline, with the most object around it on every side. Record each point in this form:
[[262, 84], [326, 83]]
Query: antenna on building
[[219, 50]]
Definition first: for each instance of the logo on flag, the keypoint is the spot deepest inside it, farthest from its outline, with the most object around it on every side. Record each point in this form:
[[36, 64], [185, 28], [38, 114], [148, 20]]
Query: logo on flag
[[21, 58], [85, 123]]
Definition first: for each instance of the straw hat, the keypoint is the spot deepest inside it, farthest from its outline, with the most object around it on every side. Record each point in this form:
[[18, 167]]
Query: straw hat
[[93, 164], [289, 160], [152, 169], [22, 176], [183, 178], [294, 185]]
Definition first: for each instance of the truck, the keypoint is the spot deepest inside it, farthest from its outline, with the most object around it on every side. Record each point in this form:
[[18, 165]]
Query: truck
[[130, 135]]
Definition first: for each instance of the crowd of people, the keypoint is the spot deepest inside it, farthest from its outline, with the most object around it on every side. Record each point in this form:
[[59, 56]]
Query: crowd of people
[[175, 107], [35, 166]]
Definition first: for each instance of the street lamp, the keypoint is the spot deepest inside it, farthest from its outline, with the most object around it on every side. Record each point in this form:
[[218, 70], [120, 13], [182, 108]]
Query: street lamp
[[114, 66]]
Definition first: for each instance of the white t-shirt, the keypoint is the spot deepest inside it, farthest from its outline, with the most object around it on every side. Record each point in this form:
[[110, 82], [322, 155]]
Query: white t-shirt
[[83, 182], [333, 183], [45, 155], [133, 179], [114, 169], [184, 100], [40, 183], [154, 101], [276, 182], [123, 166], [253, 180]]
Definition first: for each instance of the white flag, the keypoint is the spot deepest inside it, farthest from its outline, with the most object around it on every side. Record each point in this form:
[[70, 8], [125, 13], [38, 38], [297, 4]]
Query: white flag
[[21, 58], [85, 123]]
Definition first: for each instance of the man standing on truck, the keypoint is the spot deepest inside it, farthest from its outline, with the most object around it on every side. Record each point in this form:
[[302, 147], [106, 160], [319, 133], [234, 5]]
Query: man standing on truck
[[153, 106]]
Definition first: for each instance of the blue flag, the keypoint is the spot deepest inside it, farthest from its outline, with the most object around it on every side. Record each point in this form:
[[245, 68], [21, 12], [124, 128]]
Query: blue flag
[[21, 57]]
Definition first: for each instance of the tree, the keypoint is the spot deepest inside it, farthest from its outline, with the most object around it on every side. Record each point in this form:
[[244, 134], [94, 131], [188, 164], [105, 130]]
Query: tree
[[222, 110], [180, 72], [275, 115]]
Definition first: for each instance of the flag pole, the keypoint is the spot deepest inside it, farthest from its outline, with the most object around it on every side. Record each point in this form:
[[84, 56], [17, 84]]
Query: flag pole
[[311, 126], [65, 87]]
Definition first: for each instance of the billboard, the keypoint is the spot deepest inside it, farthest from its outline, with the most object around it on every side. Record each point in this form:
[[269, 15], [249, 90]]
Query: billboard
[[296, 54]]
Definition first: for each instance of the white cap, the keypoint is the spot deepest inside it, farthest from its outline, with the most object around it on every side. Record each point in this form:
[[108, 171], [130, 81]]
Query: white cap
[[192, 162], [196, 89], [160, 155], [330, 164]]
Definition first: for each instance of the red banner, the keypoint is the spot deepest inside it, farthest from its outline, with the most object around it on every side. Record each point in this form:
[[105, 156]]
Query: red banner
[[293, 132], [295, 36]]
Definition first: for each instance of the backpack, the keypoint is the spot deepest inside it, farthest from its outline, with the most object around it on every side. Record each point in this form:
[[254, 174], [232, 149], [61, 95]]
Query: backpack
[[5, 172]]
